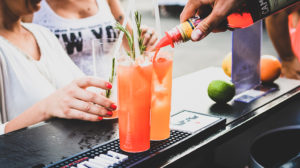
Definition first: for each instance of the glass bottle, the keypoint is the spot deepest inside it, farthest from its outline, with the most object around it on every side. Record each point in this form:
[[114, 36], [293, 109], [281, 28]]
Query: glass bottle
[[250, 12]]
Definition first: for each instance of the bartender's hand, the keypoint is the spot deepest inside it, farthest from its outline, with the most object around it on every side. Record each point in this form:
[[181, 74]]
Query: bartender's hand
[[76, 102], [150, 37], [216, 12], [291, 68]]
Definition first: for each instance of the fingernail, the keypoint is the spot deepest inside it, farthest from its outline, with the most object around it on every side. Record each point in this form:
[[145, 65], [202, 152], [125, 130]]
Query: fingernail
[[108, 85], [196, 35], [100, 118], [113, 106], [109, 113]]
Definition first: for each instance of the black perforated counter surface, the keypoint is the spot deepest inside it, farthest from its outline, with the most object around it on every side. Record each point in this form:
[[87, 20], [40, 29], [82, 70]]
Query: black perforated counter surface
[[58, 140]]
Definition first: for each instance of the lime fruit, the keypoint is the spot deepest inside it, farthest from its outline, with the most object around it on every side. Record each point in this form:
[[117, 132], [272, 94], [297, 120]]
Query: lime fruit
[[221, 91]]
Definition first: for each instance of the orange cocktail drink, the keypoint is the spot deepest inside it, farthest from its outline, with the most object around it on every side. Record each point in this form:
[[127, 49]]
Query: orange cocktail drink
[[134, 98], [161, 96]]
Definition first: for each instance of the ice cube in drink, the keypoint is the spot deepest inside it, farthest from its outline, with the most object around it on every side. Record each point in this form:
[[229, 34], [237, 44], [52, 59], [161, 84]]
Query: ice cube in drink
[[161, 96]]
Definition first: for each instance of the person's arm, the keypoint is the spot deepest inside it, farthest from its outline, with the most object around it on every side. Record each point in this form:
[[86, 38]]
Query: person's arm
[[31, 116], [118, 13], [278, 30], [71, 102], [150, 36]]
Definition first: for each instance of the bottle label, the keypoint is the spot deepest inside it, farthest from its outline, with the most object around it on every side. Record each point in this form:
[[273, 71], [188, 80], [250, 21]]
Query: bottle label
[[186, 29], [263, 8], [276, 5]]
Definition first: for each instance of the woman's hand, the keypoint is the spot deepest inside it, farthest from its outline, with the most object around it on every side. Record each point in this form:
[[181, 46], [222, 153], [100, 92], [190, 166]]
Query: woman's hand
[[150, 37], [291, 68], [214, 11], [76, 102]]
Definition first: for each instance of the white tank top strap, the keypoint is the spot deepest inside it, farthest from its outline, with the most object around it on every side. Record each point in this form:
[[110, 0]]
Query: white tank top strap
[[3, 112], [103, 7], [48, 10]]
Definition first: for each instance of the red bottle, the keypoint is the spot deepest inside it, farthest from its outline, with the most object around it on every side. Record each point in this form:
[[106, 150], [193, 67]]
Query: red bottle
[[250, 12]]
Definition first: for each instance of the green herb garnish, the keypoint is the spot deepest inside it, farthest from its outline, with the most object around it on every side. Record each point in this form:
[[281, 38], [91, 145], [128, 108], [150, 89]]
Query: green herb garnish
[[138, 20], [111, 78], [129, 36]]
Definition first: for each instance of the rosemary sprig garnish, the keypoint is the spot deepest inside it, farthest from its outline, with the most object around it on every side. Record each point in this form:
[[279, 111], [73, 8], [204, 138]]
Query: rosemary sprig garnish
[[129, 36], [138, 20], [111, 78], [130, 39]]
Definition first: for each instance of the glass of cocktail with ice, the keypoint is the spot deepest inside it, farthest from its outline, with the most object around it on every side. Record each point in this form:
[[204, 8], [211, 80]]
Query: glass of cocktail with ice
[[161, 95], [134, 98]]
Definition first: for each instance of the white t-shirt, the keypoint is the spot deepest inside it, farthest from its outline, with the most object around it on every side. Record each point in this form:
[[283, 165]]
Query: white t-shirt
[[172, 2], [27, 81], [76, 35]]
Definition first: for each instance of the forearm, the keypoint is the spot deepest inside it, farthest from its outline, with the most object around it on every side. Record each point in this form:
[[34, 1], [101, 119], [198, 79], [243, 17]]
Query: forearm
[[277, 27], [118, 13], [31, 116]]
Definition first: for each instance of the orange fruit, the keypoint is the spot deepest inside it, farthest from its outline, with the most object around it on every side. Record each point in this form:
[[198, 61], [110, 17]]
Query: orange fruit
[[270, 68], [226, 64]]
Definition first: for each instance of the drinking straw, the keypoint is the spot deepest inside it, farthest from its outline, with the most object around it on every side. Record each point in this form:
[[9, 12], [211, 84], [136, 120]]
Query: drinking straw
[[157, 18], [157, 24]]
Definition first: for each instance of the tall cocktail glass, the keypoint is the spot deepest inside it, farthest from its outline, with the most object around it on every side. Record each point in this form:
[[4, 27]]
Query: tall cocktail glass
[[161, 95], [134, 98], [104, 66]]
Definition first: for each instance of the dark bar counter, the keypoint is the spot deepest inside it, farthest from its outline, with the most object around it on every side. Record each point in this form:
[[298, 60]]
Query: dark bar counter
[[57, 139]]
